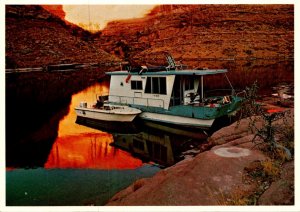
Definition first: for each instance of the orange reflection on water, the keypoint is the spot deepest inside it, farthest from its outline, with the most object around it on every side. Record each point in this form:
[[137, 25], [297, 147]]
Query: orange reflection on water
[[78, 146], [89, 151], [67, 125]]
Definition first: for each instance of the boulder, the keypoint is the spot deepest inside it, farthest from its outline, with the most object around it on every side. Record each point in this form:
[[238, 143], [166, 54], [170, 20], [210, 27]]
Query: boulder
[[233, 132]]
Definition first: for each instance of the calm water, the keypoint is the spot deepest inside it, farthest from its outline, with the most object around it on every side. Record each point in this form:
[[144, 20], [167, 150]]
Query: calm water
[[90, 161]]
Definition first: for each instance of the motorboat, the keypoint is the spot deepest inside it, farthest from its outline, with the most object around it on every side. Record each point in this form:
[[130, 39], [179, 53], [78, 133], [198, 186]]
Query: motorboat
[[107, 112]]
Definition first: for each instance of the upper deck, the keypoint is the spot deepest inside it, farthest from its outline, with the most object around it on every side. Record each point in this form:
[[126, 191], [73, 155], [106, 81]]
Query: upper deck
[[186, 72]]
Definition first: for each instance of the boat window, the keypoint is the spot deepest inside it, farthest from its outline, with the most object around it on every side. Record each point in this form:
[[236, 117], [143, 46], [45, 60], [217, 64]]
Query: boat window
[[162, 85], [176, 97], [189, 84], [148, 85], [156, 85], [136, 85]]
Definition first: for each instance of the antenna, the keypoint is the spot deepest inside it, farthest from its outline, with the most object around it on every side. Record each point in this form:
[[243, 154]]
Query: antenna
[[171, 61]]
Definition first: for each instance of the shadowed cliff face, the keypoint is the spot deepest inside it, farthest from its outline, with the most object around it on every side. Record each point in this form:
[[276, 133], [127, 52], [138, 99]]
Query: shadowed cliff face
[[206, 31], [35, 38], [252, 41]]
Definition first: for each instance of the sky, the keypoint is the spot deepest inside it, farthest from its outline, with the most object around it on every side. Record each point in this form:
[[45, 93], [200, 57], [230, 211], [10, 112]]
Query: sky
[[96, 17]]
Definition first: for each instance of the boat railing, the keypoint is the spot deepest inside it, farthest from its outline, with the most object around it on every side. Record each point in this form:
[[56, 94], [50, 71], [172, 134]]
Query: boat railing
[[127, 100]]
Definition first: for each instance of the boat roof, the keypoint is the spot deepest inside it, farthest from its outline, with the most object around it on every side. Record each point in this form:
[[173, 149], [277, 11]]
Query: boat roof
[[172, 72]]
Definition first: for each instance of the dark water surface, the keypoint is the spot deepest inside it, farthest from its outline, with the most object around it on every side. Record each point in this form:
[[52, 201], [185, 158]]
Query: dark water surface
[[60, 187], [87, 162]]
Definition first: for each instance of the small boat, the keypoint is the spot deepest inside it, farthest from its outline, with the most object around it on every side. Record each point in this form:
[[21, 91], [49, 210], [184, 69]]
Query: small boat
[[172, 95], [103, 111]]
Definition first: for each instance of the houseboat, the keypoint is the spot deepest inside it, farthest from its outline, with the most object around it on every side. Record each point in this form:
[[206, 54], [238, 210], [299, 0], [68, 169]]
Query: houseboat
[[172, 95]]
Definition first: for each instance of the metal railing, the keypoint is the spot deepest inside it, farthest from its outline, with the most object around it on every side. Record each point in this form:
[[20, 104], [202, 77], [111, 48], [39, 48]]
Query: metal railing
[[126, 98]]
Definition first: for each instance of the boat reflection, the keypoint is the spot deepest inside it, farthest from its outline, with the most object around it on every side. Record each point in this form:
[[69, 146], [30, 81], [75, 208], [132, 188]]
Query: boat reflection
[[109, 126], [148, 147], [150, 143]]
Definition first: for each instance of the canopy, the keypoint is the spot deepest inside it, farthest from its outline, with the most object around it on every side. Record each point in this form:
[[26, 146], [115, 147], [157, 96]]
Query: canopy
[[172, 72]]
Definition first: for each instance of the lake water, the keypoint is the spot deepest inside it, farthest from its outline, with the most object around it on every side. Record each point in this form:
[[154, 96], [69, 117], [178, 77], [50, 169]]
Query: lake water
[[89, 161]]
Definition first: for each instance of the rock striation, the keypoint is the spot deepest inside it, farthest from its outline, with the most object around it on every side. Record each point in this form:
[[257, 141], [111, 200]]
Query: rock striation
[[251, 41], [204, 32]]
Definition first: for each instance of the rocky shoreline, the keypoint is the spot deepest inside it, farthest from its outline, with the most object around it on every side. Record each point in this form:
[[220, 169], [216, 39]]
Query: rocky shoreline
[[233, 171]]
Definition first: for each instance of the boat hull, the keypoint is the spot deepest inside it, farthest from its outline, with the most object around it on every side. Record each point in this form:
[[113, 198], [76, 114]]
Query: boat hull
[[177, 120], [110, 126], [104, 115]]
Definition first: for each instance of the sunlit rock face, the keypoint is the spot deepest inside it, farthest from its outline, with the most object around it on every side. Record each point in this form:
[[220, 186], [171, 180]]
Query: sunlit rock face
[[56, 10]]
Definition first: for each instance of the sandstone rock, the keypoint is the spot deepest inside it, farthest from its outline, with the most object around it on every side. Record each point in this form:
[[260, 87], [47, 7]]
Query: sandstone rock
[[280, 192], [207, 179], [193, 20], [235, 131], [214, 177]]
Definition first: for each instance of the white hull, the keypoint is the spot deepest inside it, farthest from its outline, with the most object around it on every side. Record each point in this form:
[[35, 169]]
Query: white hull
[[107, 115], [177, 120]]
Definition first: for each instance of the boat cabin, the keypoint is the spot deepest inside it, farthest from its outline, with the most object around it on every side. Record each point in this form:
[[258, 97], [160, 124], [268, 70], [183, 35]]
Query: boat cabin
[[161, 89]]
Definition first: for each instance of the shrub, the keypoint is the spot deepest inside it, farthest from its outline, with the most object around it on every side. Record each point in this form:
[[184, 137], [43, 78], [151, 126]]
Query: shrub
[[265, 135], [270, 168]]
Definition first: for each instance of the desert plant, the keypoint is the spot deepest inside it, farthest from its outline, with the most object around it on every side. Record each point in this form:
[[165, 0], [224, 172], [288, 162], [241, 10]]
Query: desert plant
[[270, 168], [265, 134], [239, 197]]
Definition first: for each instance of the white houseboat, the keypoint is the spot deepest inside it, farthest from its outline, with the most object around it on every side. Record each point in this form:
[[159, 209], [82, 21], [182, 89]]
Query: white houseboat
[[170, 95]]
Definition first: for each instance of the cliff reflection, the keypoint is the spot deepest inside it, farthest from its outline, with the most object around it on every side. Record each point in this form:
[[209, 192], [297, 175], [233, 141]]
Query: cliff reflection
[[67, 125], [89, 151], [82, 147]]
